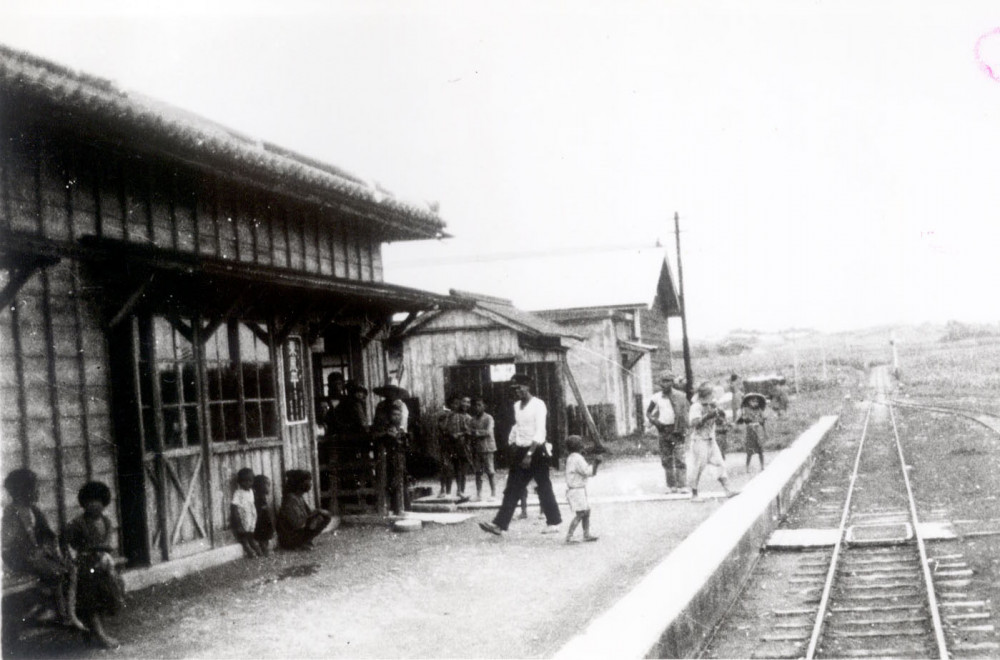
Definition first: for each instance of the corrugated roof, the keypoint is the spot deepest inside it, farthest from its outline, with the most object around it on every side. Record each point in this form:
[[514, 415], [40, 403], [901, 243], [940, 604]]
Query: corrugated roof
[[173, 131]]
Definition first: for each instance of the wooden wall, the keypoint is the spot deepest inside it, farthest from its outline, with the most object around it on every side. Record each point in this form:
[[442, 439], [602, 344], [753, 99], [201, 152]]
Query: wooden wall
[[55, 413], [62, 190], [55, 393], [656, 331], [426, 355]]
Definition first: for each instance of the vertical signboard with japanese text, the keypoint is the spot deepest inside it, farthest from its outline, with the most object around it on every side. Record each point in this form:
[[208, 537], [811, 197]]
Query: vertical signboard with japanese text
[[295, 393]]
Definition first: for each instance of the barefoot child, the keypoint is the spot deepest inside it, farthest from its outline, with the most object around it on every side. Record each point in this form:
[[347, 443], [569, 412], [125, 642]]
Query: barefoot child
[[264, 531], [31, 547], [88, 536], [577, 473], [243, 513], [752, 414]]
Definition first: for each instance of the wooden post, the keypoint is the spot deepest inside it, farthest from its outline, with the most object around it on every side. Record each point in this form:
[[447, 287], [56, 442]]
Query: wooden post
[[795, 364], [591, 426], [895, 354], [688, 371]]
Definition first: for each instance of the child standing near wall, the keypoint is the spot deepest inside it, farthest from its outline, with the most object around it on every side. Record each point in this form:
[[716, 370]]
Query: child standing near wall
[[264, 530], [577, 473], [243, 513], [100, 589]]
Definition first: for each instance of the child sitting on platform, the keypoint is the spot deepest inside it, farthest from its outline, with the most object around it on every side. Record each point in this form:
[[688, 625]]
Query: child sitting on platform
[[243, 513], [577, 473], [88, 536], [264, 531], [31, 547], [298, 523]]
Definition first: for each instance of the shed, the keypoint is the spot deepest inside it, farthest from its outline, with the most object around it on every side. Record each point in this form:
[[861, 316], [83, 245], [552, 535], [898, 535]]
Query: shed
[[474, 351], [625, 303], [612, 364], [173, 295]]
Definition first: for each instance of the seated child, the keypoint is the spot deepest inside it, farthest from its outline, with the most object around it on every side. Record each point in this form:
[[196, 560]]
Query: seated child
[[298, 524], [264, 531], [31, 547], [243, 513], [752, 414], [577, 473], [100, 590]]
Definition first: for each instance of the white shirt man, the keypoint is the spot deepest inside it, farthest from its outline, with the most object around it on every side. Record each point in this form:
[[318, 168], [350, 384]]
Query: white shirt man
[[527, 438]]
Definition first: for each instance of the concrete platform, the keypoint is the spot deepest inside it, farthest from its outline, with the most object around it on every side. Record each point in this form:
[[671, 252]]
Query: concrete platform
[[671, 612]]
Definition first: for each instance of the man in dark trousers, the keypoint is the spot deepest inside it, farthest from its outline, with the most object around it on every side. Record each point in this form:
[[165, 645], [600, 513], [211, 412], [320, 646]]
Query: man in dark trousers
[[530, 461], [668, 412]]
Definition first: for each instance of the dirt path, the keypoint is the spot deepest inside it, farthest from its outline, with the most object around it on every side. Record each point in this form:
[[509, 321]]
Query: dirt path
[[446, 591]]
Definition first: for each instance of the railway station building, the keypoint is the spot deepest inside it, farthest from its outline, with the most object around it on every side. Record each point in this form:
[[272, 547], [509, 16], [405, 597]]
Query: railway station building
[[175, 296]]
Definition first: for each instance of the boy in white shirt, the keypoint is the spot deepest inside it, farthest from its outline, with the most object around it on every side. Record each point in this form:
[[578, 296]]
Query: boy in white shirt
[[577, 473]]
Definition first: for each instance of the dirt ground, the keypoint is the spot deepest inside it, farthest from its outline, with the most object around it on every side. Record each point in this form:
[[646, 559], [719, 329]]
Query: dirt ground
[[446, 591]]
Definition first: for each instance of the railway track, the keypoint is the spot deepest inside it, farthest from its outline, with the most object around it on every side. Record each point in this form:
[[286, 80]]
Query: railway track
[[878, 597], [876, 590], [988, 420]]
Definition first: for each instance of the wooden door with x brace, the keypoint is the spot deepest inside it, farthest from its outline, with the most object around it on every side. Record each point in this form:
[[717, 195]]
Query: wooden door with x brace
[[174, 473]]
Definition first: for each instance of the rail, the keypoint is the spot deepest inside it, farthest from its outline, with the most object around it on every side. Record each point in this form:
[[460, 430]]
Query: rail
[[831, 574], [824, 609]]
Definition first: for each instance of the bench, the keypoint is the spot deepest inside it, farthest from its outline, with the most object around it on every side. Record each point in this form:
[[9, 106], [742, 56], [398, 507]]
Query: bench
[[21, 593]]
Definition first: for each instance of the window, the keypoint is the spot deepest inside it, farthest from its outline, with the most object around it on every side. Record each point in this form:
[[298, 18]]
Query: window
[[168, 380], [242, 405]]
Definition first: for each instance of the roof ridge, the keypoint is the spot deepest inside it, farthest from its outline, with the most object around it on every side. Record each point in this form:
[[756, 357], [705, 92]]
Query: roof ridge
[[481, 297], [185, 129]]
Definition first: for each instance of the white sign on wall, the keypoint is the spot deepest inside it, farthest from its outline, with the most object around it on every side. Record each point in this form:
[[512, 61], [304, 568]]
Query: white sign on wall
[[500, 373]]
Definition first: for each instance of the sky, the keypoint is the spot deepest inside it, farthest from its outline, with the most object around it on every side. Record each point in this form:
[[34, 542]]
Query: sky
[[834, 165]]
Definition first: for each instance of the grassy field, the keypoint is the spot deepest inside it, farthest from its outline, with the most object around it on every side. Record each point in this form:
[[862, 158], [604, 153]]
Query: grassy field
[[823, 369]]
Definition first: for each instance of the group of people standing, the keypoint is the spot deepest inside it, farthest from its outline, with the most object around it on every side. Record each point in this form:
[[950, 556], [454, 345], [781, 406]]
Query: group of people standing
[[367, 444], [690, 431], [466, 443]]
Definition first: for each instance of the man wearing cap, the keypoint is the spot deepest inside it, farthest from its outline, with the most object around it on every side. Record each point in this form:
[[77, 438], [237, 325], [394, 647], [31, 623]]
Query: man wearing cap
[[704, 450], [530, 461], [668, 412]]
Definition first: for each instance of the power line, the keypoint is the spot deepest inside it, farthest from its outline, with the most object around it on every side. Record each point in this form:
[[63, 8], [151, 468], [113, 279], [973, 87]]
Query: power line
[[531, 254]]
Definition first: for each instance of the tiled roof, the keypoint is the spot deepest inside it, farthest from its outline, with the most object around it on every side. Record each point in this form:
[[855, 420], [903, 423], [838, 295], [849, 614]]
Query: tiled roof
[[172, 131]]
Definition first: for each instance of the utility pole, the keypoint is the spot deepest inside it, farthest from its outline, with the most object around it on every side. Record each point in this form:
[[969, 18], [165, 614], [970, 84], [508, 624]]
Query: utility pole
[[688, 373]]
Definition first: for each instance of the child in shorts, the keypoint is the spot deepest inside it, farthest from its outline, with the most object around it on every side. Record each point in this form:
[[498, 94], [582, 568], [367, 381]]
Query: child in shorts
[[243, 513], [577, 473]]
